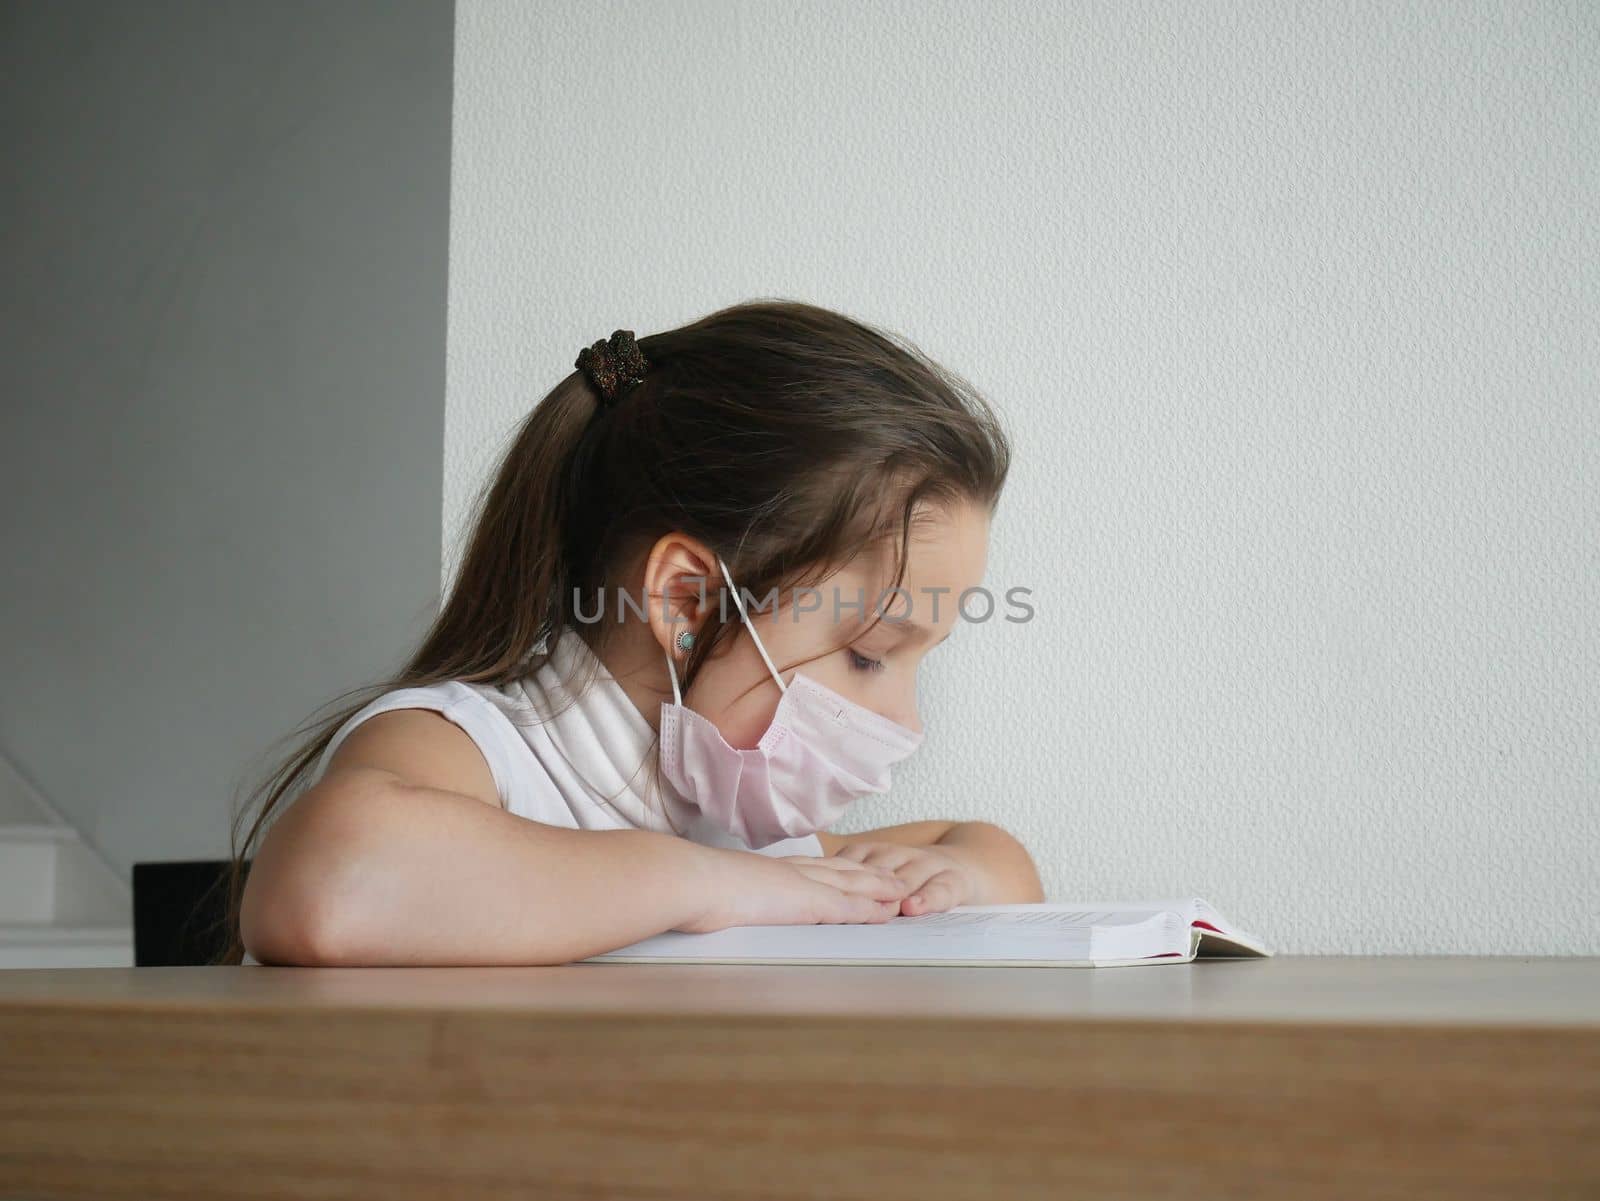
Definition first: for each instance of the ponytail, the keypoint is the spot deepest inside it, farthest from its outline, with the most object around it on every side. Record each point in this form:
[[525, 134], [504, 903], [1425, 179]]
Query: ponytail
[[512, 585]]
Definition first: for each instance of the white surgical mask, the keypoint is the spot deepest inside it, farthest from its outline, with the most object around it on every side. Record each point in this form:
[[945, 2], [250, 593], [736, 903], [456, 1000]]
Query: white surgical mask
[[821, 752]]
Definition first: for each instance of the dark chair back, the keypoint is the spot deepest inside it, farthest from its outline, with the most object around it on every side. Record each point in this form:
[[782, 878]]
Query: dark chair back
[[180, 912]]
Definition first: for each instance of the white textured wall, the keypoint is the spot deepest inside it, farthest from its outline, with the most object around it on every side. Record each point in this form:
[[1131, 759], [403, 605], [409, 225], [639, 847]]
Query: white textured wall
[[1292, 312]]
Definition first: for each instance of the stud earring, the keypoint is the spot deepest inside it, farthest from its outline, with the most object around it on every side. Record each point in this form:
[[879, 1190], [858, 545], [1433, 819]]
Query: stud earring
[[683, 641]]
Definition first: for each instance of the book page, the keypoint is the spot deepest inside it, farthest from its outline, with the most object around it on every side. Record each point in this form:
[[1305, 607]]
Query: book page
[[1040, 933], [1222, 937]]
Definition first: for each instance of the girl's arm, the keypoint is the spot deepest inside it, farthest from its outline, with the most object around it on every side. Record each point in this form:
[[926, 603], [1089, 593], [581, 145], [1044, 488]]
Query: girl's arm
[[366, 868], [401, 854], [910, 834]]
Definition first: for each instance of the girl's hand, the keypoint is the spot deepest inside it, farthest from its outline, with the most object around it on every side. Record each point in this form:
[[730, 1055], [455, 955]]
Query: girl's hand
[[749, 889], [936, 877]]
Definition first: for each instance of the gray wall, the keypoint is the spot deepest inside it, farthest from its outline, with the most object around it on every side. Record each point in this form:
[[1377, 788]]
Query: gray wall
[[223, 281]]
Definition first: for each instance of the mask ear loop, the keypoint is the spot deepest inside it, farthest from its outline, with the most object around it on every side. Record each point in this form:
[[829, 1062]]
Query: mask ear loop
[[782, 687], [677, 697]]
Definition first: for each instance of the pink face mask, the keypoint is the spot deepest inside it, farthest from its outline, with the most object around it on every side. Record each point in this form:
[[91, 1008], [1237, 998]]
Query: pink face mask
[[820, 753]]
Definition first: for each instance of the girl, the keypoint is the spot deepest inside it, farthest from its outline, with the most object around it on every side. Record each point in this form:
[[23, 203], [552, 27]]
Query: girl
[[637, 711]]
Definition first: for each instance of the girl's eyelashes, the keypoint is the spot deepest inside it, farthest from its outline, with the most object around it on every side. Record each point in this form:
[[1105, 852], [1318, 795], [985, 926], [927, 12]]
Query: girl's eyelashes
[[862, 663]]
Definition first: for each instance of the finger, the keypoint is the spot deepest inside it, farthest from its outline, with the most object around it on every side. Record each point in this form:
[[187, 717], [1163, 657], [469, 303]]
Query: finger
[[860, 909], [867, 881], [837, 905], [899, 859], [937, 893], [883, 911], [870, 852], [847, 866], [885, 887], [839, 862], [886, 854], [918, 870]]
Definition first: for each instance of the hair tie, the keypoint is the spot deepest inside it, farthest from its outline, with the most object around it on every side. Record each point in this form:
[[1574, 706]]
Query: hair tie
[[613, 366]]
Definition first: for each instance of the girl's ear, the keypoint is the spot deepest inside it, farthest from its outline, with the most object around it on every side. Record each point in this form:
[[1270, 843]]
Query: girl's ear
[[679, 573]]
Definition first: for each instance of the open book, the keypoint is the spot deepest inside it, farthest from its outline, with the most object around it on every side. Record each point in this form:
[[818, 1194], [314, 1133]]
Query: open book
[[1048, 934]]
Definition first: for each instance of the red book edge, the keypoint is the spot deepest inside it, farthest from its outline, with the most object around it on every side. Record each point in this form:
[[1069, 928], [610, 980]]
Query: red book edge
[[1174, 954]]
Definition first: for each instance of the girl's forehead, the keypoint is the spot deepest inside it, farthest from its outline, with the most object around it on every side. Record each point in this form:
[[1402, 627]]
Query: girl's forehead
[[946, 554]]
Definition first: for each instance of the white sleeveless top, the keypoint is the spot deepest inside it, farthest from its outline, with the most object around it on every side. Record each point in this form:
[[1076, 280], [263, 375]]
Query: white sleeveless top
[[584, 769]]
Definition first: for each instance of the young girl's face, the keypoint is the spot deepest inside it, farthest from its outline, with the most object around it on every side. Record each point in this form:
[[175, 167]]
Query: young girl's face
[[877, 667]]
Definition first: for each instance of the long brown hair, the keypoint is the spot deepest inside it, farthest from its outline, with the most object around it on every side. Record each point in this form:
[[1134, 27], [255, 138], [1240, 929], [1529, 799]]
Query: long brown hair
[[783, 435]]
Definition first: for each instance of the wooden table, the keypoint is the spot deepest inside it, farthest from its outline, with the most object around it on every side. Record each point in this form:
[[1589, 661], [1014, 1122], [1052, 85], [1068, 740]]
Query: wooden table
[[1349, 1078]]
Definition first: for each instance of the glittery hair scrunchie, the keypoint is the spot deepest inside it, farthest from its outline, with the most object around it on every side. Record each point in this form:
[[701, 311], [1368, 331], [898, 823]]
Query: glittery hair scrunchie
[[614, 366]]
